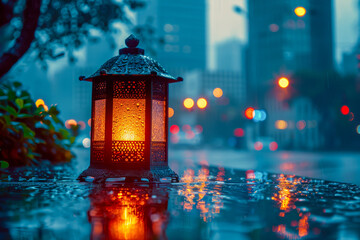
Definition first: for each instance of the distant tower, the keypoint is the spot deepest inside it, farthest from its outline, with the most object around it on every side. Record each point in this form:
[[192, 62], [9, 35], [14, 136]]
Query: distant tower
[[230, 56], [280, 42], [183, 28]]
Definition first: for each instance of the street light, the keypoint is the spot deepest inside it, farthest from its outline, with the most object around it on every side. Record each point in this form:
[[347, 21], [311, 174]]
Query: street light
[[201, 103], [283, 82], [300, 11], [188, 103]]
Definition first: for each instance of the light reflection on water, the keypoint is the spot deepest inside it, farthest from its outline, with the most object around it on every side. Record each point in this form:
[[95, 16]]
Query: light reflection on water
[[208, 203]]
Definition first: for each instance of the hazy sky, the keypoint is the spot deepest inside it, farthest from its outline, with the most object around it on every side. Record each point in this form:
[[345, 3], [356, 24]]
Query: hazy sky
[[225, 23]]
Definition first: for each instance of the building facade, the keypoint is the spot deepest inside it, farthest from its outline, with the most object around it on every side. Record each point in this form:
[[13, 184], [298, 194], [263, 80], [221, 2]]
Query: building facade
[[281, 43]]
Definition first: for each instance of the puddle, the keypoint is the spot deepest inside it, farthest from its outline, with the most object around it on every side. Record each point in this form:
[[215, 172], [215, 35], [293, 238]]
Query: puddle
[[208, 203]]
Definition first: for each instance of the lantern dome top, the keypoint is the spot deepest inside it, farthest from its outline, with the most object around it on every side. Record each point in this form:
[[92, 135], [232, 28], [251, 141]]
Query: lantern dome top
[[131, 61]]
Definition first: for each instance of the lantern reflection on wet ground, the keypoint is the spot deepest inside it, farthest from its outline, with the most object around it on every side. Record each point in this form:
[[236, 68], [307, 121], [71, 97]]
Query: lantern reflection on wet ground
[[208, 203], [129, 212]]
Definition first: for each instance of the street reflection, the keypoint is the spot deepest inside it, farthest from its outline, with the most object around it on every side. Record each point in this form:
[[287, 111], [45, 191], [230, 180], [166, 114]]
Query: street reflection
[[128, 213], [197, 193], [285, 198]]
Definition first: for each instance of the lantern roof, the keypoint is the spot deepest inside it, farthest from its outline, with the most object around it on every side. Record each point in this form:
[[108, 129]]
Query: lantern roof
[[131, 61]]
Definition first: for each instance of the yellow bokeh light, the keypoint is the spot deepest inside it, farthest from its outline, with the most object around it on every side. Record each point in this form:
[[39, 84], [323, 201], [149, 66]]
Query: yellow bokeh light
[[283, 82], [171, 112], [69, 123], [188, 103], [201, 103], [300, 11], [39, 102], [218, 92], [281, 124]]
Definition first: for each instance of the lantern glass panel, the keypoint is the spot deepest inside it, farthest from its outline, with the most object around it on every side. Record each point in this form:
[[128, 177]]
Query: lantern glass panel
[[158, 121], [99, 120], [128, 119]]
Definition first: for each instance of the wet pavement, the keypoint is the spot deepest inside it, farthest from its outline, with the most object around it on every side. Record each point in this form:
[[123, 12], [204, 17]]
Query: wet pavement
[[212, 201]]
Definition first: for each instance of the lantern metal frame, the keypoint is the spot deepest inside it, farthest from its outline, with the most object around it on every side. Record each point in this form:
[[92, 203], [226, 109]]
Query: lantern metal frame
[[131, 69]]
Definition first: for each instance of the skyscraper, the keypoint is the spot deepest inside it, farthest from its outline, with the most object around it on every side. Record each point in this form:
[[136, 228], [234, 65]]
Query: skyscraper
[[282, 42], [182, 25]]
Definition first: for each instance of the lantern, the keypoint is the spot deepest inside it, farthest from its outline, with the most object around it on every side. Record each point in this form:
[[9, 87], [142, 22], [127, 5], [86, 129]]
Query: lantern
[[129, 122]]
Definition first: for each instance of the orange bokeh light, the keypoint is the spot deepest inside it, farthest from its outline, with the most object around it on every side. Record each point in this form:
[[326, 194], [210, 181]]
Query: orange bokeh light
[[188, 103], [249, 113], [300, 11], [283, 82], [281, 124], [218, 92], [69, 123], [39, 102], [171, 112], [201, 103]]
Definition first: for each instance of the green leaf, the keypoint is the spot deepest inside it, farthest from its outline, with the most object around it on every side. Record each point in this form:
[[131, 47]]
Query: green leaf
[[28, 133], [20, 103], [27, 105], [24, 115], [9, 109], [4, 164], [17, 84]]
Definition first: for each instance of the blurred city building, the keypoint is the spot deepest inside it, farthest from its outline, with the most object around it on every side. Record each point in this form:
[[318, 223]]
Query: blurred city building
[[230, 56], [295, 126], [182, 25], [291, 37], [281, 42]]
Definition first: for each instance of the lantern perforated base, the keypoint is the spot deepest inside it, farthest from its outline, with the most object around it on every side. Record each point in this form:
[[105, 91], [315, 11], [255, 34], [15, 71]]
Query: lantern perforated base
[[157, 175]]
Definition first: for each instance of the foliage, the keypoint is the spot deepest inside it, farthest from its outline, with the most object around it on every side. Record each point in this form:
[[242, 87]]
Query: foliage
[[65, 25], [30, 134]]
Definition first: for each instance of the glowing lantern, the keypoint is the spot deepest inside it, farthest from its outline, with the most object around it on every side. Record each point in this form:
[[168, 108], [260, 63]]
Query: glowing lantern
[[129, 134]]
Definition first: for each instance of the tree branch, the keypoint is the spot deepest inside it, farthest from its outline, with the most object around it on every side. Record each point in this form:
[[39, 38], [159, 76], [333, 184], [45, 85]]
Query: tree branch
[[23, 42]]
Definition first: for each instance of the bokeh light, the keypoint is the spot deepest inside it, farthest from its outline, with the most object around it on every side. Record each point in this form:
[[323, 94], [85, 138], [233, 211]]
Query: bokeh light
[[198, 129], [283, 82], [89, 122], [171, 112], [344, 110], [201, 103], [174, 129], [358, 129], [258, 146], [300, 11], [239, 132], [86, 142], [273, 146], [274, 27], [218, 92], [82, 125], [69, 123], [249, 113], [351, 116], [188, 103], [190, 135], [39, 102], [259, 115], [301, 125], [281, 124], [186, 127]]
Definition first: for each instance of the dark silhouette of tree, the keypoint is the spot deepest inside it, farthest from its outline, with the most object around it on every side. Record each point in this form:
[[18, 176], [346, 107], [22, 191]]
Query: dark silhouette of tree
[[55, 28]]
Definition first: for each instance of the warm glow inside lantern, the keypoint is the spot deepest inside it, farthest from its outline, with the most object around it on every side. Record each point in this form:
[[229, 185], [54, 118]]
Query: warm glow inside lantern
[[130, 117]]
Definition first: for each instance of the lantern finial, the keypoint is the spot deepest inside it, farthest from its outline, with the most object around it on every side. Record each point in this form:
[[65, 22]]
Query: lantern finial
[[132, 41]]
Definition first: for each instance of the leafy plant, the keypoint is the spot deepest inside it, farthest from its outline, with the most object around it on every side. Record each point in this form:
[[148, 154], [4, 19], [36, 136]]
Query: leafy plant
[[30, 133]]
